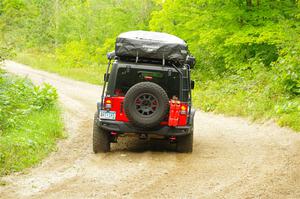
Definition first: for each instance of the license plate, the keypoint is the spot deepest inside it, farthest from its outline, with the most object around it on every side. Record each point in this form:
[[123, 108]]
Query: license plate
[[107, 115]]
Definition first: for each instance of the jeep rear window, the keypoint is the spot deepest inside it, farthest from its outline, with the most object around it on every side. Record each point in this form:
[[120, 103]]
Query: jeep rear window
[[151, 74], [127, 78]]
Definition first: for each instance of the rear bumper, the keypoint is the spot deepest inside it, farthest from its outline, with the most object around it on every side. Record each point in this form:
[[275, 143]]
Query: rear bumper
[[128, 128]]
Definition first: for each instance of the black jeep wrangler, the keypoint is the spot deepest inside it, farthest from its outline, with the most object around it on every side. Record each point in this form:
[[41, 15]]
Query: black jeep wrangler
[[147, 91]]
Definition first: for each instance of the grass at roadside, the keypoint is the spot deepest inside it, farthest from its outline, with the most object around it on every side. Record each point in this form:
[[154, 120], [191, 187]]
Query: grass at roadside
[[30, 122], [258, 99], [33, 140], [48, 62]]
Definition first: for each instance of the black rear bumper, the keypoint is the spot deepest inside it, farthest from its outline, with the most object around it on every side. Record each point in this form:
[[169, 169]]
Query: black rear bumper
[[124, 127]]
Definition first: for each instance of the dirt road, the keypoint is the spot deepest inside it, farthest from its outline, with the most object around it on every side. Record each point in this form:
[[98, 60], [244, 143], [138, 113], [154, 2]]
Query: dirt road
[[232, 158]]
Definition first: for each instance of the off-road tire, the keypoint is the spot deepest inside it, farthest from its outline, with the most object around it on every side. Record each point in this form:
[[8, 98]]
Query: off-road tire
[[131, 110], [185, 144], [101, 138]]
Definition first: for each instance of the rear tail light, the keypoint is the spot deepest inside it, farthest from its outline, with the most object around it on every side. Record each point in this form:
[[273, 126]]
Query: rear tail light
[[114, 133], [172, 138], [107, 104], [183, 110], [148, 78]]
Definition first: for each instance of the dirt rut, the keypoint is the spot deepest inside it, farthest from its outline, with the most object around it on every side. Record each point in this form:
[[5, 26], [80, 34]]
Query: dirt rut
[[232, 158]]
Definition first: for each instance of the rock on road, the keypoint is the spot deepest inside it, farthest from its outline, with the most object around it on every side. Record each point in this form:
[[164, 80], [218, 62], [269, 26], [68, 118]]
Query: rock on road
[[232, 158]]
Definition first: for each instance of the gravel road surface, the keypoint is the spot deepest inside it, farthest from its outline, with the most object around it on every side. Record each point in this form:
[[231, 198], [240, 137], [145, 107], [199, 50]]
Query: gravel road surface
[[232, 157]]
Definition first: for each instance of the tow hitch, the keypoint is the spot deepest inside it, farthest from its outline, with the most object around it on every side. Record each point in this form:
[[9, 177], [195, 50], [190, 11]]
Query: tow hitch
[[172, 139], [143, 136], [114, 137]]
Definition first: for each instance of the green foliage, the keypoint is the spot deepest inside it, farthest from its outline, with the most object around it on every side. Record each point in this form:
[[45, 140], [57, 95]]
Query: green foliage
[[63, 26], [29, 142], [45, 61], [30, 122], [228, 37], [19, 97], [4, 53], [287, 68], [74, 54], [247, 52], [256, 98]]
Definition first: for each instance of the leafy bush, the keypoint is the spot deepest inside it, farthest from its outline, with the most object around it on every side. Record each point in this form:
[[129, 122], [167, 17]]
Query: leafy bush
[[74, 54], [5, 52], [287, 69], [19, 97], [30, 122]]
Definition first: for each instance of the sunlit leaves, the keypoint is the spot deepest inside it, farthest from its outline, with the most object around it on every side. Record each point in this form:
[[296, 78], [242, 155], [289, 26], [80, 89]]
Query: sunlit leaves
[[228, 37]]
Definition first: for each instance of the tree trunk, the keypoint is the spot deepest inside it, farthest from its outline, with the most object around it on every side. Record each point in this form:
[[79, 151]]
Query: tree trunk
[[249, 3], [56, 15]]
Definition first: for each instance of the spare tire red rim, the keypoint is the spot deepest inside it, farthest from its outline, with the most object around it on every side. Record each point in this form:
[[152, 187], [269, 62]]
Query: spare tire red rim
[[146, 104]]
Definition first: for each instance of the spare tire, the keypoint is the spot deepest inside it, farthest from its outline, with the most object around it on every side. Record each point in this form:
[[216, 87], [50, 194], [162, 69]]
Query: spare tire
[[146, 104]]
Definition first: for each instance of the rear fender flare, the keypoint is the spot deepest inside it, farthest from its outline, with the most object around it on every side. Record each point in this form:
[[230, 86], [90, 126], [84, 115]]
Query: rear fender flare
[[191, 118]]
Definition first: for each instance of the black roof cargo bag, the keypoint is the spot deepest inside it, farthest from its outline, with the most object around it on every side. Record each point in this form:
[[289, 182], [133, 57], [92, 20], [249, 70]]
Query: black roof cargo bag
[[151, 45]]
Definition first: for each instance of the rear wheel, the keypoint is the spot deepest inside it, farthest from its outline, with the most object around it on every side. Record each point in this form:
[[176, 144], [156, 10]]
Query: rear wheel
[[101, 138], [185, 144], [146, 104]]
